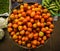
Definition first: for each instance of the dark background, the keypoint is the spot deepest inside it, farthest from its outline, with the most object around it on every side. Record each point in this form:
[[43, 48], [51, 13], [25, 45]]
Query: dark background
[[53, 43]]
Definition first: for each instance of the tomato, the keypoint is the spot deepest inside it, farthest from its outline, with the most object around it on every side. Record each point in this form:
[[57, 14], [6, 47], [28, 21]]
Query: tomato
[[48, 32], [32, 14], [29, 7], [48, 23], [38, 24], [25, 5], [16, 21], [12, 33], [19, 42], [48, 14], [48, 35], [51, 26], [10, 29], [38, 43], [23, 38], [16, 40], [19, 15], [25, 27], [29, 45], [10, 25], [29, 24], [27, 32], [47, 28], [32, 20], [16, 16], [20, 23], [43, 29], [34, 42], [23, 43], [38, 13], [39, 39], [46, 17], [23, 14], [42, 20], [36, 17], [26, 39], [33, 46], [14, 36], [35, 25], [42, 24], [21, 7], [29, 29], [28, 18], [12, 16], [20, 28], [50, 19], [15, 11], [42, 41], [28, 12], [30, 35], [20, 37], [36, 4], [41, 34], [45, 10], [44, 38], [22, 32]]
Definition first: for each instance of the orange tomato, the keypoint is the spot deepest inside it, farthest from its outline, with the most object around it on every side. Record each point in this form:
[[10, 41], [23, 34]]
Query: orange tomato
[[23, 14], [43, 29], [32, 14], [32, 20], [15, 11], [42, 41], [27, 32], [30, 35], [29, 29], [42, 20], [48, 32], [10, 29], [29, 24], [22, 32], [19, 42], [15, 36], [48, 35], [50, 19], [33, 46], [12, 16], [16, 16], [20, 28], [25, 27], [15, 25], [44, 38], [38, 24], [48, 23], [34, 42], [28, 18], [51, 26], [10, 25], [29, 45], [42, 24], [20, 37], [12, 33]]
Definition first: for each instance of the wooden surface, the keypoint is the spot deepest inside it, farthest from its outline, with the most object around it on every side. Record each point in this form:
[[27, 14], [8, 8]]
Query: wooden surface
[[52, 45]]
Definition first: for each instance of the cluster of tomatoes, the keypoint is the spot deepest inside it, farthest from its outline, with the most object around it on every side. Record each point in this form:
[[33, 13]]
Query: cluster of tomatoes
[[30, 25]]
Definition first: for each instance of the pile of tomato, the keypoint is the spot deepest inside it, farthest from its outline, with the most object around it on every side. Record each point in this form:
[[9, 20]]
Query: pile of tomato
[[30, 25]]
